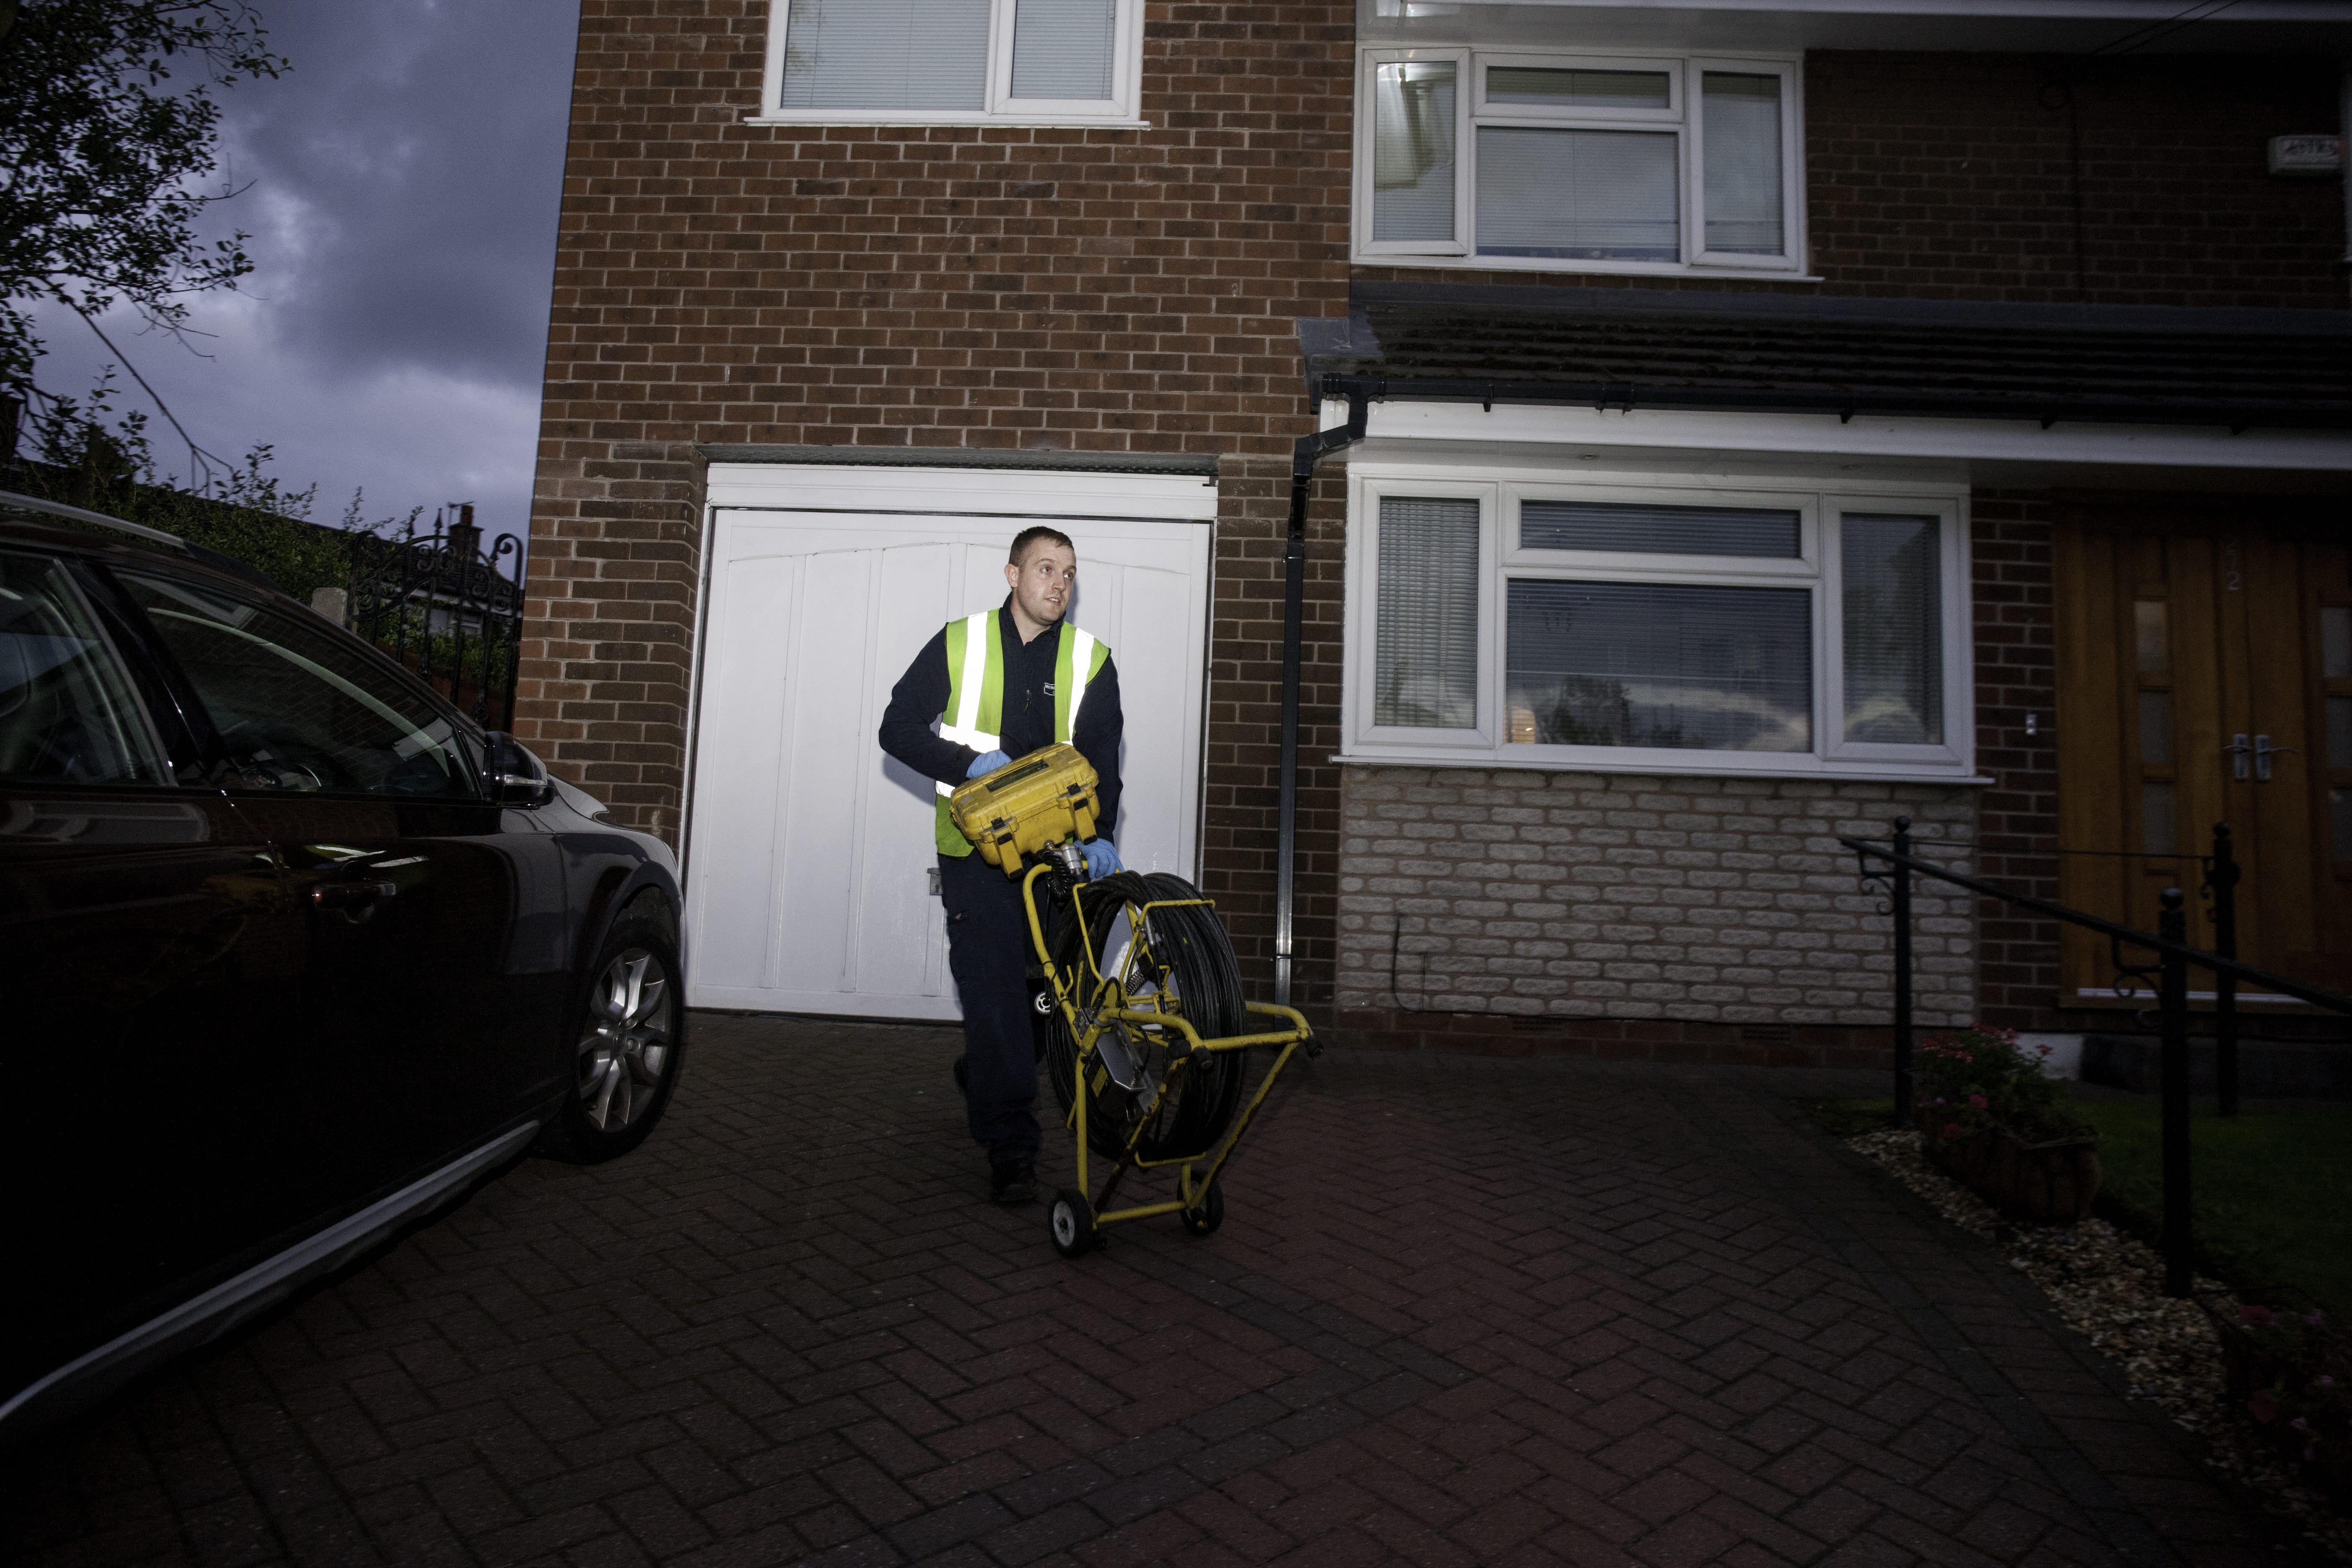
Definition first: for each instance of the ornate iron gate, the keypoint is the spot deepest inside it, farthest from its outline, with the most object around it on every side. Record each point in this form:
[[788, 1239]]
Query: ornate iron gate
[[440, 604]]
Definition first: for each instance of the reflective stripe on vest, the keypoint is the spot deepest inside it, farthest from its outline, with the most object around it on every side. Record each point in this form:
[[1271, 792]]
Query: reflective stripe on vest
[[963, 698], [1077, 662]]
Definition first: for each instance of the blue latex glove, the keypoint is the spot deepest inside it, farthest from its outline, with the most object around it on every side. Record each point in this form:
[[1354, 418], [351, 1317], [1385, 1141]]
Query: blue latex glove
[[988, 763], [1102, 857]]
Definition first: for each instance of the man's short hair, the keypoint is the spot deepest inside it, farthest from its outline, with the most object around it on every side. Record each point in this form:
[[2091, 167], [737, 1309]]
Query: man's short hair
[[1029, 536]]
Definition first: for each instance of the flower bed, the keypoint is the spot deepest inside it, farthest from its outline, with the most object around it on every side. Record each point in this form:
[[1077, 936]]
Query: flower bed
[[2289, 1371], [1991, 1119]]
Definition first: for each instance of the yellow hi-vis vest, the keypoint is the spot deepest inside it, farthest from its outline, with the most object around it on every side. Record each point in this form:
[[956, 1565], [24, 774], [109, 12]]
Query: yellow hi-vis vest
[[975, 707]]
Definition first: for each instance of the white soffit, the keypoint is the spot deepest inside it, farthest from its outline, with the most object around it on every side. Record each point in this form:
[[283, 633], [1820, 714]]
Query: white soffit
[[2068, 27], [1976, 442]]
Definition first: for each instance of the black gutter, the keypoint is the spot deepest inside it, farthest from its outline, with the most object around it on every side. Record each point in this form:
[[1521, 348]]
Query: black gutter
[[1309, 451], [1628, 395]]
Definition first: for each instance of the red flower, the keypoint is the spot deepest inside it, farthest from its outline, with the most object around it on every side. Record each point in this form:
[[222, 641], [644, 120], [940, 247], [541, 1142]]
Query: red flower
[[2260, 1317], [1979, 1100], [1951, 1130], [2263, 1406]]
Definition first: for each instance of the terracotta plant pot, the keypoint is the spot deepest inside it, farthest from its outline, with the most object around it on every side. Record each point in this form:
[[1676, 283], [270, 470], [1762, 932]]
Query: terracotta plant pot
[[2049, 1182]]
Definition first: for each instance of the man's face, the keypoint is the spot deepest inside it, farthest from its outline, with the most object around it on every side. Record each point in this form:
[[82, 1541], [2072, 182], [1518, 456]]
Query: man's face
[[1044, 581]]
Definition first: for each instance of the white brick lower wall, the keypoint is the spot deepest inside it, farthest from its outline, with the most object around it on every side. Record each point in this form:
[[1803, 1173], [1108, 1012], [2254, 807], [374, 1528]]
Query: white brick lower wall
[[1620, 896]]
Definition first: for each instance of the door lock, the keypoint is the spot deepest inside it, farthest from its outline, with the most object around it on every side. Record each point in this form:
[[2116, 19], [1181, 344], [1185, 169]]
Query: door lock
[[2263, 752]]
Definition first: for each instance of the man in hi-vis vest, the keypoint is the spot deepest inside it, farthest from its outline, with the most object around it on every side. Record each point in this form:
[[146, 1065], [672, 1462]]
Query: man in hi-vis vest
[[1002, 684]]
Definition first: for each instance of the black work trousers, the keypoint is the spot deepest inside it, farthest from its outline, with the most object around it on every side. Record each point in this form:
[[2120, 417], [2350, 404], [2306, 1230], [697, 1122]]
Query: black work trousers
[[988, 953]]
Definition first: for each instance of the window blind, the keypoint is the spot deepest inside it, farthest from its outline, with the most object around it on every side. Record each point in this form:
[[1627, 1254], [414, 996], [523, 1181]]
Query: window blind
[[917, 55], [1425, 649], [1894, 630], [1412, 151], [1740, 141], [1062, 49], [1758, 532], [1642, 664], [1554, 87], [1594, 195]]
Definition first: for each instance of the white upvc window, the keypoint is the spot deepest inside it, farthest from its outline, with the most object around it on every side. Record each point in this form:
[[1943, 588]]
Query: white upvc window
[[953, 62], [1677, 625], [1583, 162]]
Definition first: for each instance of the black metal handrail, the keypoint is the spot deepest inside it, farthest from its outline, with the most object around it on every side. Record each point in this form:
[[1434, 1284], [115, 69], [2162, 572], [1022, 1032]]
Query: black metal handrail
[[2174, 956]]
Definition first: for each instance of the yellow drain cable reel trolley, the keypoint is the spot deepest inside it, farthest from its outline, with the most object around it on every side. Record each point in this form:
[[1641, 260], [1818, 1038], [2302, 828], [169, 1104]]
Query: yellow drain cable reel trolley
[[1148, 1042]]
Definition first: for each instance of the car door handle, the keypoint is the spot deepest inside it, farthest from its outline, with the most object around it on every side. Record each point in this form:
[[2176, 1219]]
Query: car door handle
[[353, 900]]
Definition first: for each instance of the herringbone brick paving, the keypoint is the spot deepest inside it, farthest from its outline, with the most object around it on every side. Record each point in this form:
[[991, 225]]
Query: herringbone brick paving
[[1463, 1310]]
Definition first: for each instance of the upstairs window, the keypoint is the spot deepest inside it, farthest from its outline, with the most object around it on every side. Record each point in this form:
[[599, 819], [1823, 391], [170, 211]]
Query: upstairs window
[[952, 62], [1580, 163]]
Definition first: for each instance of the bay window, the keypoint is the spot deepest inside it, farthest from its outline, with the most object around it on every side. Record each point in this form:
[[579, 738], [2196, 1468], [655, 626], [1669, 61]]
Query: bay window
[[1504, 159], [917, 62], [1656, 626]]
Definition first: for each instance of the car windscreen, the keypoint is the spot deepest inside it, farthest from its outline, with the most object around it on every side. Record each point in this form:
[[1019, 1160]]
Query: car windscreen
[[298, 709]]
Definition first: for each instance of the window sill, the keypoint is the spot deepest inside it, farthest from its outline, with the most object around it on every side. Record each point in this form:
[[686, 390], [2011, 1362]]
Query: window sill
[[1836, 773], [980, 121], [1588, 268]]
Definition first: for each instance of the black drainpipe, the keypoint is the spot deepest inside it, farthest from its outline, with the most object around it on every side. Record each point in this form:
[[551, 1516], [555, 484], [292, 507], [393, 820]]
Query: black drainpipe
[[1310, 450]]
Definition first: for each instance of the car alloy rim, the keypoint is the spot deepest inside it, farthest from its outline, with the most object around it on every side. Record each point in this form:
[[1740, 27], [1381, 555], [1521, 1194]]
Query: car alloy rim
[[627, 1045]]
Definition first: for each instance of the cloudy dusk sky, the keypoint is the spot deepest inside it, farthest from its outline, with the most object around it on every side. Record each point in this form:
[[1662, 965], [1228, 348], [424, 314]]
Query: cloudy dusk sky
[[403, 183]]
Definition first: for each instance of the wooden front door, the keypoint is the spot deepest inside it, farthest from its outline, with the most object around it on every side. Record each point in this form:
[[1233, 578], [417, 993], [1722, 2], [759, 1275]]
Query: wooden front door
[[2205, 675]]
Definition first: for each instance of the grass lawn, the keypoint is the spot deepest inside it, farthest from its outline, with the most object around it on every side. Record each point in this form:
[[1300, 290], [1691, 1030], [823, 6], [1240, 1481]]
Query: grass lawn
[[2272, 1189]]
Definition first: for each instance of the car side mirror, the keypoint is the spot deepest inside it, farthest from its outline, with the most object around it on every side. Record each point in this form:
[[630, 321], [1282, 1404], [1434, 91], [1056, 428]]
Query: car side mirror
[[512, 775]]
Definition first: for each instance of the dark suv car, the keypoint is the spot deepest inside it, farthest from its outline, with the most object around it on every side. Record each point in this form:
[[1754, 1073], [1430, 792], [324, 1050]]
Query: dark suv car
[[298, 952]]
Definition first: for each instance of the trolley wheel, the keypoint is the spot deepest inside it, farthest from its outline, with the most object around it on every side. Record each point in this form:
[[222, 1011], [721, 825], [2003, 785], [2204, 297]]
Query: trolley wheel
[[1073, 1222], [1205, 1220]]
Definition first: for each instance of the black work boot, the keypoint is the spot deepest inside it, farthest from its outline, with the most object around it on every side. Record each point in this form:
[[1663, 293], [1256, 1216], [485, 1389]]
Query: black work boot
[[1013, 1181]]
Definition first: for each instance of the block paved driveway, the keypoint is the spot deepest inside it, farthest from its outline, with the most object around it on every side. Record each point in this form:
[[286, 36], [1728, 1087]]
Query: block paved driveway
[[1463, 1310]]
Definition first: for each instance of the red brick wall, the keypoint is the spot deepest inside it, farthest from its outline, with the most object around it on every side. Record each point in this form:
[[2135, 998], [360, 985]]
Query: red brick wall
[[1245, 734], [1048, 289], [2017, 819], [1960, 176]]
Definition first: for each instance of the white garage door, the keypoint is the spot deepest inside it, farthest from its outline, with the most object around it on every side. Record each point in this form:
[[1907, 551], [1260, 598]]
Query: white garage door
[[809, 852]]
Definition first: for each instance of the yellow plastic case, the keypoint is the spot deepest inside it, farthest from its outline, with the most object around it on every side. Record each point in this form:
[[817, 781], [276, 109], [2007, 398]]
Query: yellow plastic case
[[1030, 803]]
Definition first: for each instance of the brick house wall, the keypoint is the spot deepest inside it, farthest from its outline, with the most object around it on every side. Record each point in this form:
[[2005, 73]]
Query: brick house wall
[[2017, 817], [1122, 289], [1630, 914], [1045, 289]]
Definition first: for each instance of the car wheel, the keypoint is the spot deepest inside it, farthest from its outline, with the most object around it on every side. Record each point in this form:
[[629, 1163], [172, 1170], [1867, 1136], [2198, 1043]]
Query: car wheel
[[626, 1045]]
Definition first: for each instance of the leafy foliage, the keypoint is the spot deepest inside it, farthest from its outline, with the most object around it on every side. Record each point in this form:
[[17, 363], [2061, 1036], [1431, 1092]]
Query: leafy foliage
[[251, 515], [107, 126], [1976, 1078]]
